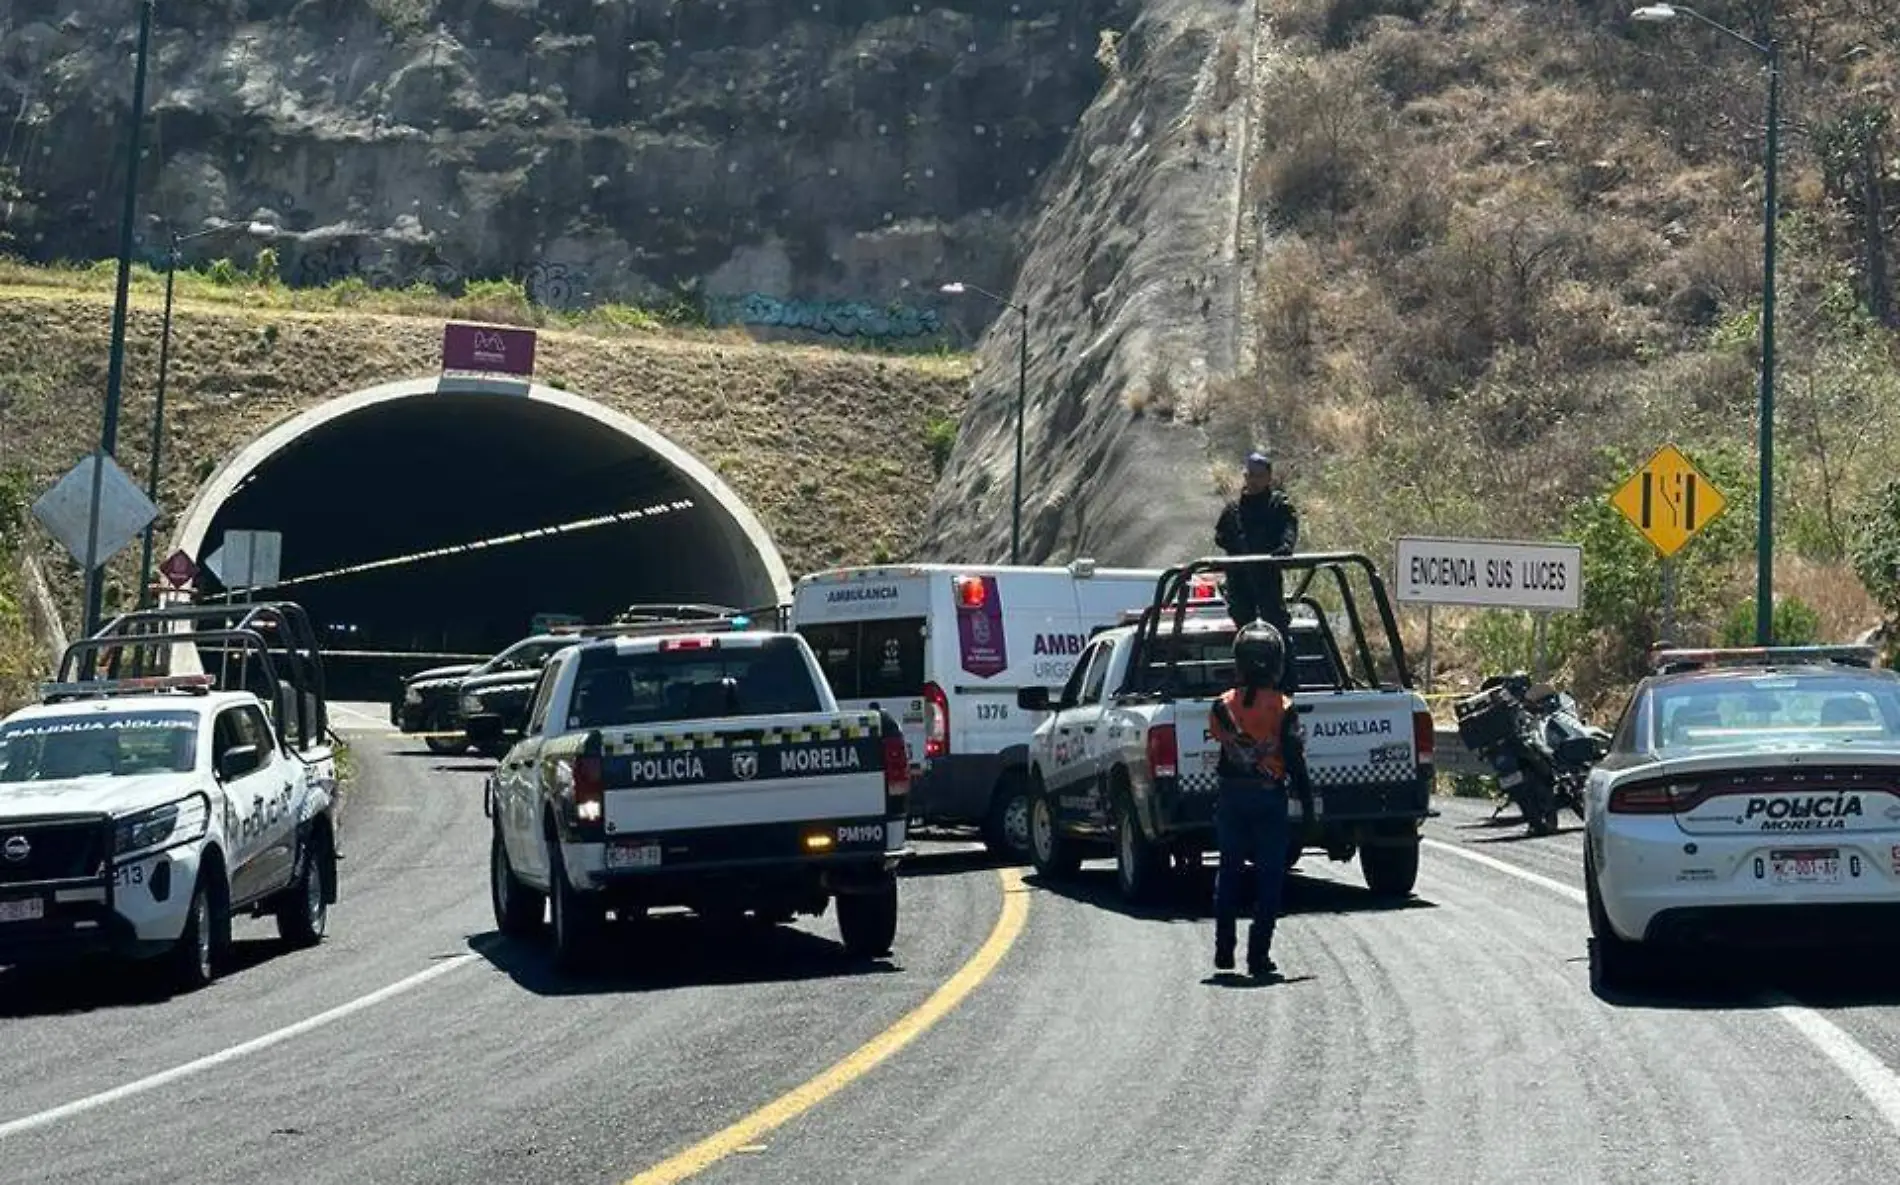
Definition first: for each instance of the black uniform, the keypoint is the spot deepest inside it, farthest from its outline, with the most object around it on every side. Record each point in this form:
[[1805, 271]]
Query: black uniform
[[1258, 524]]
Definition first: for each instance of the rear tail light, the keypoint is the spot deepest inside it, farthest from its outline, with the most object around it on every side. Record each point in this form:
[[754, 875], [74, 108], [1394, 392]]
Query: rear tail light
[[936, 722], [896, 772], [589, 785], [1164, 753], [1424, 737], [1656, 798]]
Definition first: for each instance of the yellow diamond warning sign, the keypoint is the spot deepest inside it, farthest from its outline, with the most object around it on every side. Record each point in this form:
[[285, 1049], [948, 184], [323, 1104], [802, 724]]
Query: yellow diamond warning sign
[[1668, 500]]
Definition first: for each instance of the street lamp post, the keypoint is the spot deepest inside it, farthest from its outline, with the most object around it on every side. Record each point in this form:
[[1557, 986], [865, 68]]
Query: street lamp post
[[115, 360], [256, 229], [957, 288], [1764, 528]]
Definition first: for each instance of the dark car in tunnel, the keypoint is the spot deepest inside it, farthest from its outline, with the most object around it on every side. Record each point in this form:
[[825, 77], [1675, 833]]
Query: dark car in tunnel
[[494, 705], [430, 701]]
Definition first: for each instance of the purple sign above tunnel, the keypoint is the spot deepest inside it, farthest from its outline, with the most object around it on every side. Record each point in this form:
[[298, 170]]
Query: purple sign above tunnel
[[488, 349]]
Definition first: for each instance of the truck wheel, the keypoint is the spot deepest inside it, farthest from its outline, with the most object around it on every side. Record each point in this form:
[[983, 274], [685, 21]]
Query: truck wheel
[[192, 962], [1006, 828], [1390, 869], [301, 911], [518, 909], [1138, 863], [1054, 853], [577, 919], [868, 921]]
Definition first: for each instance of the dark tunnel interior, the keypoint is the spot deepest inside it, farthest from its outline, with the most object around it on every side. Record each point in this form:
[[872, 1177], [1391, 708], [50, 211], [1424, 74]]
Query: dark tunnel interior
[[412, 475]]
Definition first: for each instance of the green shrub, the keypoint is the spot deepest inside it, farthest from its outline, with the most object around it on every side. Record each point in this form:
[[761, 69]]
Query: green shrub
[[1795, 623], [940, 437]]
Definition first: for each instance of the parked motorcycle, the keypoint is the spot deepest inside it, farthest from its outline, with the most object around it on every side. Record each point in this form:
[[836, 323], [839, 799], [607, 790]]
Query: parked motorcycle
[[1535, 738]]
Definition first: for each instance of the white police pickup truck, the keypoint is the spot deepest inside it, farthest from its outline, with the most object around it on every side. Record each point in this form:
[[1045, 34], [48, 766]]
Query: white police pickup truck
[[139, 815], [710, 769], [1124, 758]]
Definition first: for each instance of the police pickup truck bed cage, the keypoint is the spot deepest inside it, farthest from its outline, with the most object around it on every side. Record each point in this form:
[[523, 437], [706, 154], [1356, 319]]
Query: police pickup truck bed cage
[[1669, 662], [271, 642], [1176, 591]]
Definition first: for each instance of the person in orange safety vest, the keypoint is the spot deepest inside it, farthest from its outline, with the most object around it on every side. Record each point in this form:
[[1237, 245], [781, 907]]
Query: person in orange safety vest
[[1262, 758]]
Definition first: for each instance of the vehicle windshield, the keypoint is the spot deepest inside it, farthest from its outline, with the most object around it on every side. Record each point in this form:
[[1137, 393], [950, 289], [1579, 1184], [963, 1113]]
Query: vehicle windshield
[[51, 748], [523, 656], [1810, 709], [661, 687]]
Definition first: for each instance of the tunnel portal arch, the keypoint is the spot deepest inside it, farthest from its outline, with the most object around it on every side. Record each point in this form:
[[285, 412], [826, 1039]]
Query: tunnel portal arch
[[725, 530]]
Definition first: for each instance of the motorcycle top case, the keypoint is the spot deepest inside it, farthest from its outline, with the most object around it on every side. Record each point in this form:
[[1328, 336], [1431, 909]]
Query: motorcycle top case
[[1487, 718]]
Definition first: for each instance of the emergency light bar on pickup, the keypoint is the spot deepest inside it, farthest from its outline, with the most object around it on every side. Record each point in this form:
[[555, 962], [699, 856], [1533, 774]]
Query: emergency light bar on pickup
[[198, 683]]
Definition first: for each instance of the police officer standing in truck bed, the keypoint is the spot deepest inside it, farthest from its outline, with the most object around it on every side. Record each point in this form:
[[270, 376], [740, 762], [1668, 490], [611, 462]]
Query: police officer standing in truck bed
[[1262, 521]]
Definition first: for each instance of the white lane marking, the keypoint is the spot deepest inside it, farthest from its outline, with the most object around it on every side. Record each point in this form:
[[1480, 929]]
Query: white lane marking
[[368, 721], [1862, 1067], [1873, 1077], [1568, 892], [164, 1077]]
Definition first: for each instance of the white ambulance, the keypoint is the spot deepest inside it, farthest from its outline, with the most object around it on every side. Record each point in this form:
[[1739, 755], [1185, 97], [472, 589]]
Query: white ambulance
[[944, 648]]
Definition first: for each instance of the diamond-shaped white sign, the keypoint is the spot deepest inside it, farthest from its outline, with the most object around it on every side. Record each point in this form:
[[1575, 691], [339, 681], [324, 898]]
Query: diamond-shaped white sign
[[66, 510]]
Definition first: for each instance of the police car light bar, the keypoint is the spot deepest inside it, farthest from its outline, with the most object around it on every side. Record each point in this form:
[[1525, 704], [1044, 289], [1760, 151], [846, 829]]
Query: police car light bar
[[1853, 654], [199, 683]]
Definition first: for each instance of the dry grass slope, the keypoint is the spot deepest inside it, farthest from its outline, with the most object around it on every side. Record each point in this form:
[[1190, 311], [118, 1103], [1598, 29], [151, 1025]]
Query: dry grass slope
[[1513, 248], [832, 449]]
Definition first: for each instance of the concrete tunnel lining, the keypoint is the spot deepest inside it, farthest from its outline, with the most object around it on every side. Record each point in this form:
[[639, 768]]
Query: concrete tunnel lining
[[741, 540]]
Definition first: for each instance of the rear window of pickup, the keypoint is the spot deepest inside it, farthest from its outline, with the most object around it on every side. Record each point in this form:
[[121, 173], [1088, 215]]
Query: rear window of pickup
[[669, 686]]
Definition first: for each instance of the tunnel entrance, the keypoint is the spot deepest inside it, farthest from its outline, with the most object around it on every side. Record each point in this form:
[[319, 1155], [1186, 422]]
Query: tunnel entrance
[[441, 515]]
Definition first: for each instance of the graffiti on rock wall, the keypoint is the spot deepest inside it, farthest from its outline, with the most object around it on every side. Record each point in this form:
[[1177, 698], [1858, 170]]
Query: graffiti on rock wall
[[840, 318]]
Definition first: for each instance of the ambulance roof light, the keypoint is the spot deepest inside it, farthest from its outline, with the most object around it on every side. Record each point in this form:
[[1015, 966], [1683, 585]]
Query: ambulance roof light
[[972, 592]]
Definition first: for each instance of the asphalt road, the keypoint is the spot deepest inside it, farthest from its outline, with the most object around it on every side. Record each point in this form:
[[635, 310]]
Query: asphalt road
[[1456, 1039]]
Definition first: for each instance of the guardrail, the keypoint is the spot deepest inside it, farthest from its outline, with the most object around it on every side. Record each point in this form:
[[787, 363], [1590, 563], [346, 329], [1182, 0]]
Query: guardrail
[[1451, 756]]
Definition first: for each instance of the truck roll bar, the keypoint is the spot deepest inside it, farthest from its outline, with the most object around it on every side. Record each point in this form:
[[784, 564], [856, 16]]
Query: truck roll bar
[[1173, 593], [276, 634]]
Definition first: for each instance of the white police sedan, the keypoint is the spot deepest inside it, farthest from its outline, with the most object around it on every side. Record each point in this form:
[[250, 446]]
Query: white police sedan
[[1750, 798]]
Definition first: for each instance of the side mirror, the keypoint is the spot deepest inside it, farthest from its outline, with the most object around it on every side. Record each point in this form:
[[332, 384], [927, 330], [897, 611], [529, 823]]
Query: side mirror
[[237, 761], [1032, 699]]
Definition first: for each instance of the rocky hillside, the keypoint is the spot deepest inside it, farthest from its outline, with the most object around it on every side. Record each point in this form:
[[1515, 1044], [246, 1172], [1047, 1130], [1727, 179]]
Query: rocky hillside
[[1133, 282], [851, 150]]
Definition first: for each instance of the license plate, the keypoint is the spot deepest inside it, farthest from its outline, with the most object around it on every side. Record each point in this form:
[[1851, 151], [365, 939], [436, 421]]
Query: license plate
[[629, 856], [1818, 866], [31, 909], [1209, 758], [1510, 779]]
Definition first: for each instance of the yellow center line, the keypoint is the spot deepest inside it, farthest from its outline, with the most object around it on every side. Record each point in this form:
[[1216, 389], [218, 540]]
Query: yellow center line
[[789, 1106]]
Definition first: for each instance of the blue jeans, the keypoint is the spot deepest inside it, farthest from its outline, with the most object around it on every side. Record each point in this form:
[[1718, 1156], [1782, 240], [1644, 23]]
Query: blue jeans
[[1250, 824]]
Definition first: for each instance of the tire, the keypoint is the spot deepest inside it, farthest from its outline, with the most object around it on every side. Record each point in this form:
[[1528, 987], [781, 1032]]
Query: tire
[[446, 746], [868, 921], [192, 961], [518, 909], [1617, 965], [1052, 852], [1391, 870], [576, 922], [302, 913], [1006, 828], [1139, 865]]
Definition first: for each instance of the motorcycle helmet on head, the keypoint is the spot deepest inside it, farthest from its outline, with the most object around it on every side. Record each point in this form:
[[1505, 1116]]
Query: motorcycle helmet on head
[[1259, 654]]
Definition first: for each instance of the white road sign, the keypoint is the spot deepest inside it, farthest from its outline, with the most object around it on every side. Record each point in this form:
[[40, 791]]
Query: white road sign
[[248, 559], [1496, 573], [66, 510]]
